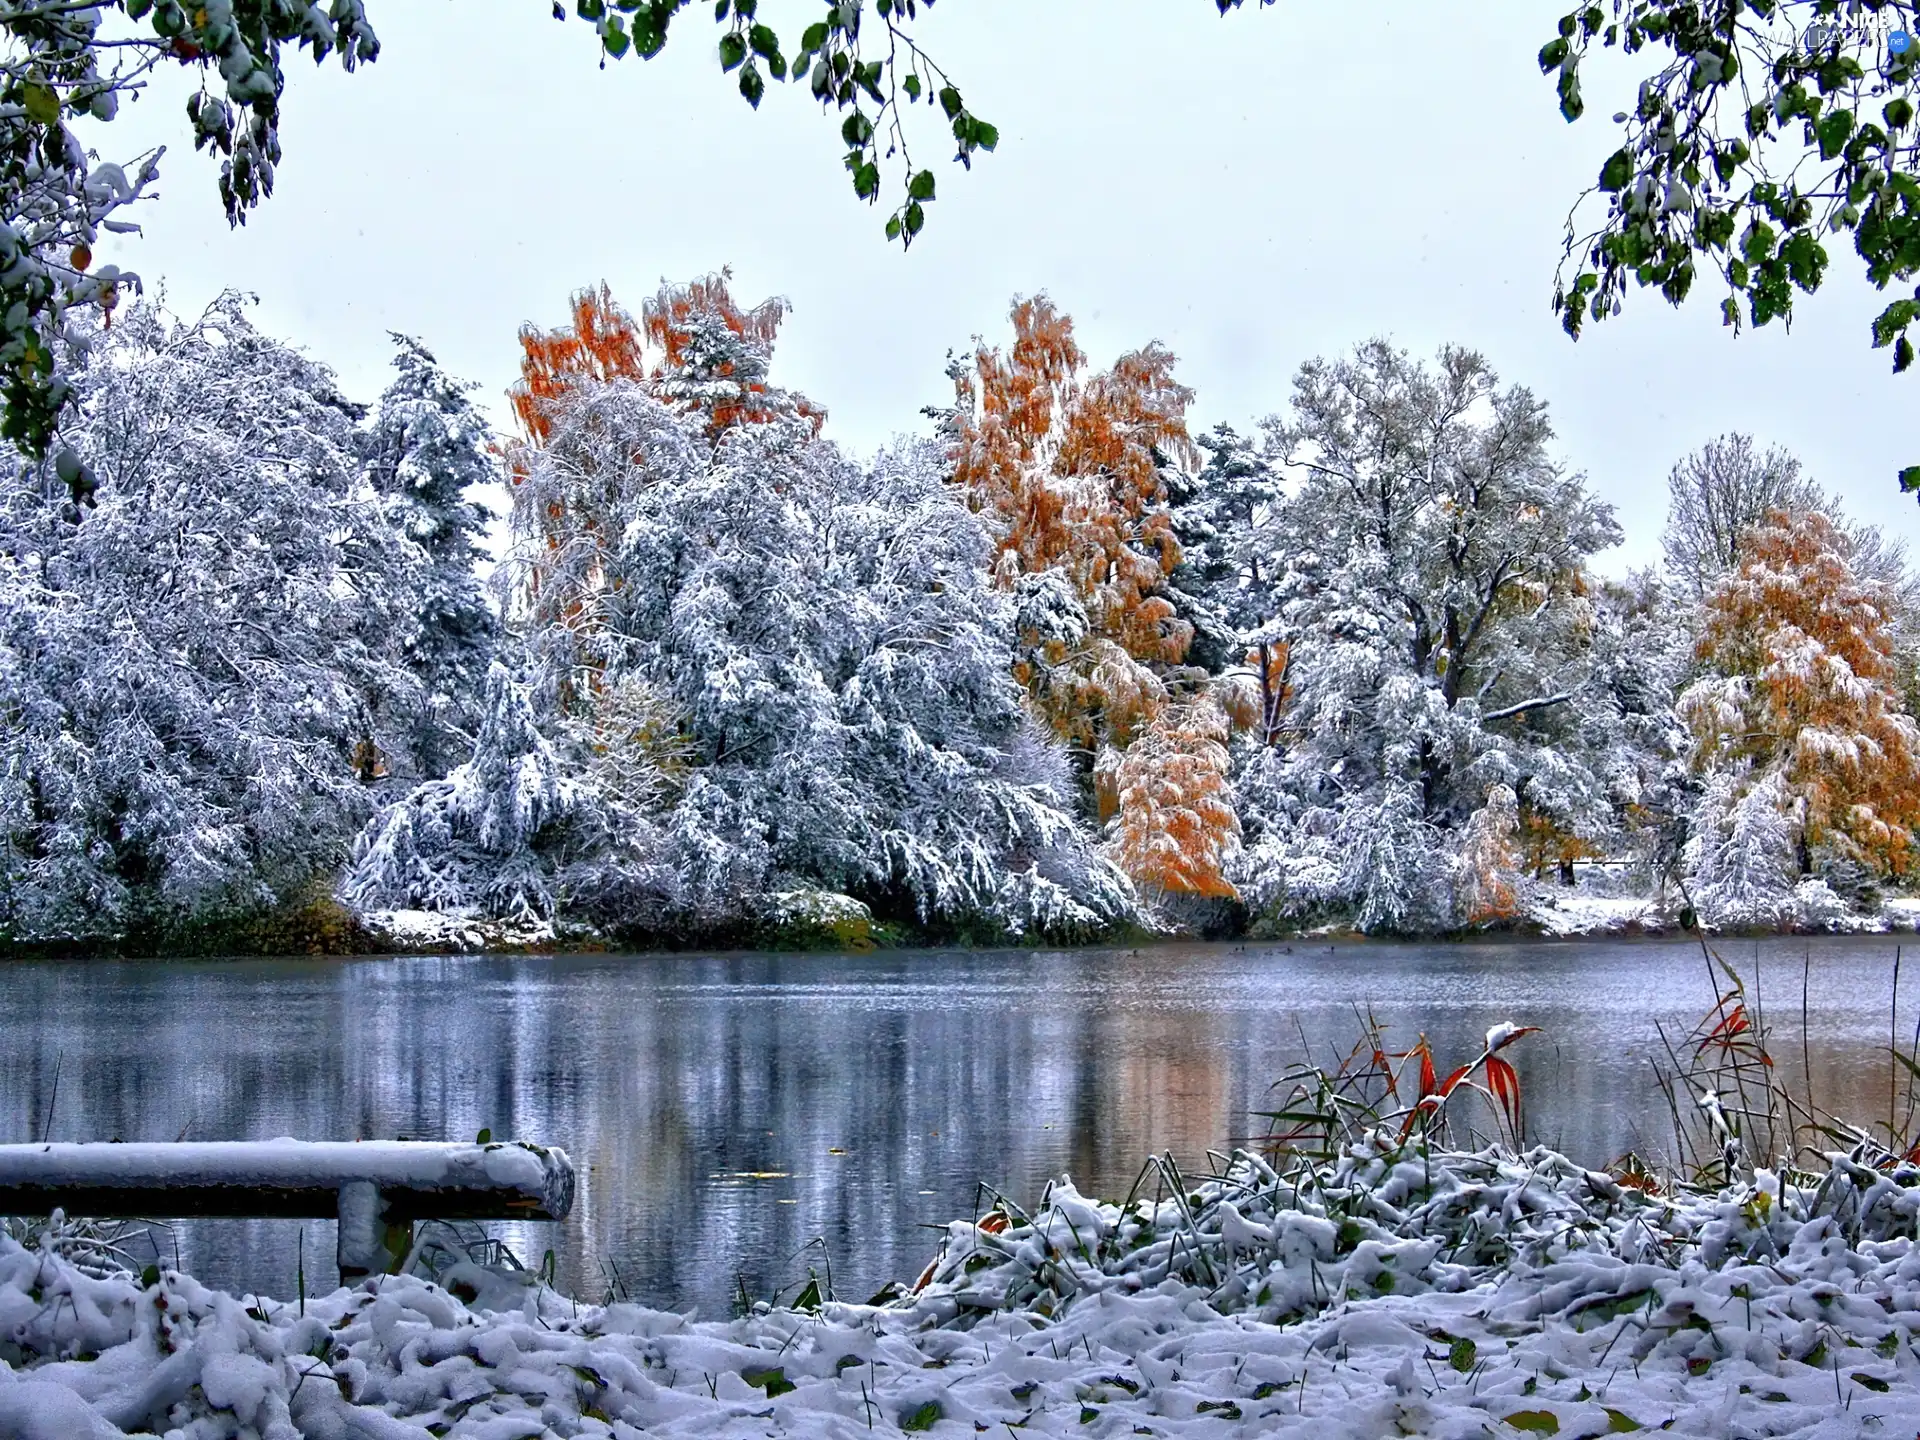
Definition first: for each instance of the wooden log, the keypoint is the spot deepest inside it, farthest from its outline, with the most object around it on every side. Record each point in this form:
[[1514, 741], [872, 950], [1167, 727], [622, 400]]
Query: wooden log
[[375, 1188]]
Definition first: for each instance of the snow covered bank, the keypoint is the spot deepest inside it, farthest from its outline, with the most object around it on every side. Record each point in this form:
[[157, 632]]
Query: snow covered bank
[[1570, 913], [408, 932], [1552, 913], [1384, 1293]]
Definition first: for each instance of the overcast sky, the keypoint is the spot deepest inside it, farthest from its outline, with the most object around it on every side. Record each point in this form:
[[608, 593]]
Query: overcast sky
[[1251, 191]]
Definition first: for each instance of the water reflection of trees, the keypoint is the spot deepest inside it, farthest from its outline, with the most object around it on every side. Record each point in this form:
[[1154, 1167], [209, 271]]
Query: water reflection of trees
[[674, 1079]]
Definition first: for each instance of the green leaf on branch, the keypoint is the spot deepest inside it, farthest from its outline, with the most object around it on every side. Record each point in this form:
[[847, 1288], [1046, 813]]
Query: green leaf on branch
[[921, 186], [1806, 260], [1892, 320], [1572, 107], [41, 103], [1833, 130], [1618, 170], [751, 85], [733, 50], [1910, 478]]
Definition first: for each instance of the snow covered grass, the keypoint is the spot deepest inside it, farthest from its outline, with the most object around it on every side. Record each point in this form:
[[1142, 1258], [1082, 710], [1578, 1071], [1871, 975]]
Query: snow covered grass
[[1395, 1289]]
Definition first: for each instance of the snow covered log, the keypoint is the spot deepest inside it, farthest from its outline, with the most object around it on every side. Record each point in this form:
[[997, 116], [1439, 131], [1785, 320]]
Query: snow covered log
[[376, 1188]]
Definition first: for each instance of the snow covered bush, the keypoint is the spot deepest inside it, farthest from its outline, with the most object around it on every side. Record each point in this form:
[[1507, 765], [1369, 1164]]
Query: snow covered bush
[[200, 668], [508, 834], [1388, 1288]]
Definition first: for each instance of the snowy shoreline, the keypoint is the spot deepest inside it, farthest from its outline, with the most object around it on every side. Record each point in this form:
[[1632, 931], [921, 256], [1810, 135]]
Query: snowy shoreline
[[1391, 1291], [843, 924], [1572, 916]]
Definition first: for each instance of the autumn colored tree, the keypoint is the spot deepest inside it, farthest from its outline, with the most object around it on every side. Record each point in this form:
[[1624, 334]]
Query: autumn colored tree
[[1802, 695], [1176, 830], [1487, 868], [1069, 467], [694, 345], [603, 343]]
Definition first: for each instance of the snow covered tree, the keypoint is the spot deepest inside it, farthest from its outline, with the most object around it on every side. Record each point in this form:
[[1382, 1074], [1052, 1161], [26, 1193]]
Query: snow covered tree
[[1799, 696], [1606, 772], [1070, 471], [189, 672], [602, 343], [509, 834], [1228, 520], [694, 344], [1431, 606], [1175, 831], [1487, 881], [1726, 489], [1742, 851], [427, 448], [819, 645], [1715, 496], [695, 350]]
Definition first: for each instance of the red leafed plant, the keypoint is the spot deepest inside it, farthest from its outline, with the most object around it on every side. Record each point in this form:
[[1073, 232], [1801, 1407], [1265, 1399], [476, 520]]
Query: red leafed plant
[[1367, 1090]]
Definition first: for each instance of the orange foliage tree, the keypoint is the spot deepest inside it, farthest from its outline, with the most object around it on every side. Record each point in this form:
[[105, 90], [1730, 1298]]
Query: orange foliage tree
[[1486, 870], [1175, 829], [1804, 691], [1069, 467], [694, 345]]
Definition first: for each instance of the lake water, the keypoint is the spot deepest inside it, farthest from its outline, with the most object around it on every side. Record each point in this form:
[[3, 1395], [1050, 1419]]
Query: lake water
[[724, 1111]]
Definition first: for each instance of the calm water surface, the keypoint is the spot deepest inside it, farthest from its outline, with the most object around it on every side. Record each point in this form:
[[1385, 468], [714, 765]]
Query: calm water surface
[[726, 1110]]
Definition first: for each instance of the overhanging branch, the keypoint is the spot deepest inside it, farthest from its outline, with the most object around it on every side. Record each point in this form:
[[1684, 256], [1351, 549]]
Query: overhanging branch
[[1539, 702]]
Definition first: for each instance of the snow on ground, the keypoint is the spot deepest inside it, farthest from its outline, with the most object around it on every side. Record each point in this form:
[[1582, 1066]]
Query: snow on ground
[[1384, 1293], [1562, 913], [1579, 913], [1902, 913], [432, 931]]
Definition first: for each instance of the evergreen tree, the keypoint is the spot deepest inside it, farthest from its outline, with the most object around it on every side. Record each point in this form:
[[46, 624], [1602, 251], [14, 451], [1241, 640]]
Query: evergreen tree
[[1224, 584], [427, 449], [509, 834]]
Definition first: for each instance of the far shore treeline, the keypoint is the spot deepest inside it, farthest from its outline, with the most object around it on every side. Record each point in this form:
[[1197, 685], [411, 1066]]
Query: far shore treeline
[[1053, 669]]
